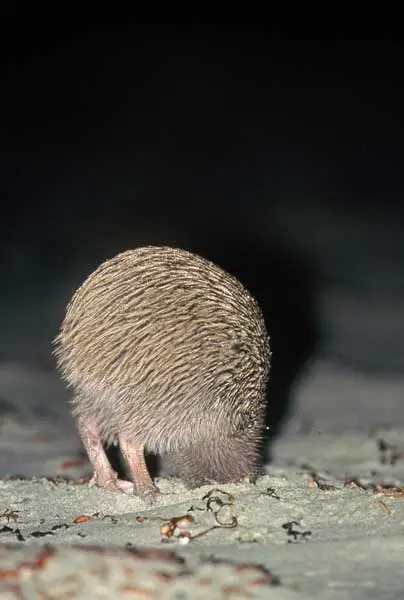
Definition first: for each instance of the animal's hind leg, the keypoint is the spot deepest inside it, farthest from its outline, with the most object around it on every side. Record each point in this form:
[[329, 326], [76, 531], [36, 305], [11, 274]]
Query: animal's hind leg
[[133, 453], [104, 475]]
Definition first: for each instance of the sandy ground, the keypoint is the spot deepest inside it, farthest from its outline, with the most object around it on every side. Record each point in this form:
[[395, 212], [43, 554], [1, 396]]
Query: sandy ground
[[325, 521]]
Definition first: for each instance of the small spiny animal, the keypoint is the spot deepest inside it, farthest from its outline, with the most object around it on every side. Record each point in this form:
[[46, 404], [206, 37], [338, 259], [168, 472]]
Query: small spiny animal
[[166, 353]]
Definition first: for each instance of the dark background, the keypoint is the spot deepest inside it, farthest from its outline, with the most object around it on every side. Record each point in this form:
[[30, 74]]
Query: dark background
[[279, 158]]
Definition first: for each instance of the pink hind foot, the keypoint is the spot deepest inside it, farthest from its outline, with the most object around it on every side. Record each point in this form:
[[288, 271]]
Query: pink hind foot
[[104, 475], [134, 456], [111, 483]]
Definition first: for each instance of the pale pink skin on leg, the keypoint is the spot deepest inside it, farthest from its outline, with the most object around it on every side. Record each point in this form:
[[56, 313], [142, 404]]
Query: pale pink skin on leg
[[134, 455], [104, 475]]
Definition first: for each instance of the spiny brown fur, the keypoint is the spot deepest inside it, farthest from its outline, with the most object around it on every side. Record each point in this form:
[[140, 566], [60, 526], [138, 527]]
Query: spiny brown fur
[[168, 348]]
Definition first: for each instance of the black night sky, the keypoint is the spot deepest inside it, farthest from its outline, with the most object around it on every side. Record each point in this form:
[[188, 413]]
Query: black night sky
[[280, 158]]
